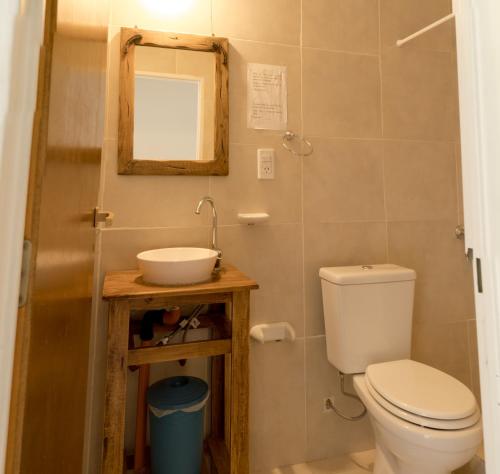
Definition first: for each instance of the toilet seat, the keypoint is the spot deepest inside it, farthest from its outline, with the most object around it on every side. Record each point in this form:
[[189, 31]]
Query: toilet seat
[[422, 395]]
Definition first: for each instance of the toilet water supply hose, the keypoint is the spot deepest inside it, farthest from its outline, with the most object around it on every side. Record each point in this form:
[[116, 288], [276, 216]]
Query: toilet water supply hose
[[331, 404]]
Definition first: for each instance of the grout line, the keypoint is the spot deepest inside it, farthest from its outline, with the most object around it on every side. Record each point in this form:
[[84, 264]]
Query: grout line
[[375, 139], [341, 51], [382, 128], [277, 135], [382, 125], [384, 188], [212, 17], [262, 42], [316, 336], [304, 324], [278, 224]]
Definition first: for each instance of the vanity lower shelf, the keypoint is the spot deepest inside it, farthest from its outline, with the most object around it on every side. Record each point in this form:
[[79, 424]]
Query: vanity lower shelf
[[226, 448]]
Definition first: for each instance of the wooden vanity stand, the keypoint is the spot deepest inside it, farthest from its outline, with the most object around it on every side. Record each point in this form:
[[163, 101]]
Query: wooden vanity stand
[[226, 449]]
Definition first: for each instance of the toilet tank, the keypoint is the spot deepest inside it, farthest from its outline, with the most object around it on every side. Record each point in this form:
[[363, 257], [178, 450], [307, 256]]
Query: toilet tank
[[368, 314]]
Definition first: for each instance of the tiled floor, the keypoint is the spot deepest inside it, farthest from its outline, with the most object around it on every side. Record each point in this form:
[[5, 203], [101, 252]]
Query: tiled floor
[[342, 465], [353, 465]]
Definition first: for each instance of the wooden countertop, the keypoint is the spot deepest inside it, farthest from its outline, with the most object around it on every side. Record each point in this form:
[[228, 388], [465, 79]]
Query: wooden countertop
[[128, 284]]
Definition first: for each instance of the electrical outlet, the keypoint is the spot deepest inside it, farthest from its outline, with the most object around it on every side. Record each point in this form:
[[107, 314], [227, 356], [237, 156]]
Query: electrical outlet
[[265, 163], [328, 404]]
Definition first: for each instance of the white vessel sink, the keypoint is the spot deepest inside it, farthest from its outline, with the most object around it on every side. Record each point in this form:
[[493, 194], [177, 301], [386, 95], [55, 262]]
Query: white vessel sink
[[177, 265]]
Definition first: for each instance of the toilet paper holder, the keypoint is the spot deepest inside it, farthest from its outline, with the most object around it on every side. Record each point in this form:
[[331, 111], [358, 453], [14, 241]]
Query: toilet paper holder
[[273, 332]]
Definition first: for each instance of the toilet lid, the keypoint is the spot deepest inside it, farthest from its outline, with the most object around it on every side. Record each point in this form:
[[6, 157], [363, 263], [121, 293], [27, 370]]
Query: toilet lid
[[460, 424], [422, 390]]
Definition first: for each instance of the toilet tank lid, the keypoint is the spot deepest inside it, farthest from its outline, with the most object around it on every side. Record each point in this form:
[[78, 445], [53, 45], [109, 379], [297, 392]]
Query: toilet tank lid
[[361, 274]]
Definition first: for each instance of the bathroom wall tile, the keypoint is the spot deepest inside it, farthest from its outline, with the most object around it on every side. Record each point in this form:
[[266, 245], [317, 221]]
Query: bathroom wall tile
[[241, 191], [401, 18], [272, 255], [419, 95], [120, 246], [272, 21], [460, 192], [341, 26], [240, 54], [443, 346], [328, 245], [420, 180], [151, 201], [112, 83], [191, 16], [341, 94], [343, 181], [328, 435], [444, 288], [277, 400], [476, 466], [474, 359]]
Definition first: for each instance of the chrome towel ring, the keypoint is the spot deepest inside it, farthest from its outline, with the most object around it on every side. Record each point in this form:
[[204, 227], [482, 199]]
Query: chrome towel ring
[[288, 137]]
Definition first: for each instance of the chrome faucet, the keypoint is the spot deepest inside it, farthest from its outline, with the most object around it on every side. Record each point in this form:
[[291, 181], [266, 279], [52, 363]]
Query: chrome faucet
[[214, 226]]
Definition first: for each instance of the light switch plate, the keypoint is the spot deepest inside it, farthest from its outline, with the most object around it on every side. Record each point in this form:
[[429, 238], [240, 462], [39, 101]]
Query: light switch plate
[[265, 163]]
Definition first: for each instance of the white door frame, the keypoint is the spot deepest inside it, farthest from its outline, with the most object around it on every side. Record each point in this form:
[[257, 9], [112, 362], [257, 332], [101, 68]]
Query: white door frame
[[478, 46], [21, 30]]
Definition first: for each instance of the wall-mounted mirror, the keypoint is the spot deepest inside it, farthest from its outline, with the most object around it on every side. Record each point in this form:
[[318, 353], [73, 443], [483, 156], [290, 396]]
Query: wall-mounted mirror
[[173, 104]]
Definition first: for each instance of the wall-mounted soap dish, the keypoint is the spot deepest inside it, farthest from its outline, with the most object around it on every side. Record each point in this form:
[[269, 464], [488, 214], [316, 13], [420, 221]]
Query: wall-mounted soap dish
[[252, 218]]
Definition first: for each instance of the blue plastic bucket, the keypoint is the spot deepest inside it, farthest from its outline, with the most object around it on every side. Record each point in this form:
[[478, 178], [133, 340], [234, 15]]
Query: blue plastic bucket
[[176, 419]]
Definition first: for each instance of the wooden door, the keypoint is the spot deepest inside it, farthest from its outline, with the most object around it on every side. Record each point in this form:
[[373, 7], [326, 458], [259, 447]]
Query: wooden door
[[47, 418]]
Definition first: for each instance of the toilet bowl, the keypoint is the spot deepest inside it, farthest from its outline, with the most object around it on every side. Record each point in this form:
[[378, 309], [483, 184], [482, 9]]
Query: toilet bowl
[[424, 421]]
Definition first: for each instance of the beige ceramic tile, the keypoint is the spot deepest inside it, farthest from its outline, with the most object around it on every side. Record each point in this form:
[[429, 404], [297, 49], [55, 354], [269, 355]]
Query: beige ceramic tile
[[444, 287], [113, 84], [341, 26], [341, 94], [272, 255], [474, 359], [337, 465], [277, 399], [188, 16], [420, 180], [151, 201], [420, 98], [327, 434], [328, 245], [240, 54], [460, 193], [273, 21], [241, 191], [401, 18], [120, 246], [443, 346], [343, 181], [476, 466]]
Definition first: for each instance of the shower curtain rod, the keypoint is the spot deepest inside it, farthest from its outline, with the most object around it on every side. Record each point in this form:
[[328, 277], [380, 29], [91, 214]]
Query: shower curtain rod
[[425, 30]]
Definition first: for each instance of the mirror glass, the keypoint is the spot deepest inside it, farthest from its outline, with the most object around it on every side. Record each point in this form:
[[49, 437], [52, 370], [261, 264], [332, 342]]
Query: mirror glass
[[174, 104]]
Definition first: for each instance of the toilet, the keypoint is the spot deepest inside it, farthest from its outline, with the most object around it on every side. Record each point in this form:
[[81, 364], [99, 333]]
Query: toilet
[[424, 421]]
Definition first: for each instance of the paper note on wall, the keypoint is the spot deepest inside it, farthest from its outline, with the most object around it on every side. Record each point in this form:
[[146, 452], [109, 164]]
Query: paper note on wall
[[266, 97]]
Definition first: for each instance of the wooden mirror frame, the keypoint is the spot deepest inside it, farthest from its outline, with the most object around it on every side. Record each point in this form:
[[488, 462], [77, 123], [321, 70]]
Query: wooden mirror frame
[[132, 37]]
